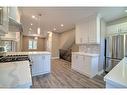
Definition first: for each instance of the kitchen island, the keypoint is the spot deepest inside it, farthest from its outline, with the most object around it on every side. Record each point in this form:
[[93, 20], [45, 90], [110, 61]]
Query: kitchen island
[[40, 60], [117, 77], [19, 74], [27, 53], [15, 75]]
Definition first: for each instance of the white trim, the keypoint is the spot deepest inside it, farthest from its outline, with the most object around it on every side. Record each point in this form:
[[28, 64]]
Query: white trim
[[100, 72], [55, 58]]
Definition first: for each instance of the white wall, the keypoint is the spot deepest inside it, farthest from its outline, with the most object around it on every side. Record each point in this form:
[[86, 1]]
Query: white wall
[[67, 39], [57, 41]]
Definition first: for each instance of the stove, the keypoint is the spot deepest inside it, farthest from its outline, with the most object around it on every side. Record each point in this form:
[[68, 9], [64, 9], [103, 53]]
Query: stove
[[13, 58]]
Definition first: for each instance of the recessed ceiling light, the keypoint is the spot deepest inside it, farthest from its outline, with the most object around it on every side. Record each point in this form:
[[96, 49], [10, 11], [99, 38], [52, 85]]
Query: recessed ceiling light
[[54, 29], [33, 16], [61, 25], [125, 10], [31, 24]]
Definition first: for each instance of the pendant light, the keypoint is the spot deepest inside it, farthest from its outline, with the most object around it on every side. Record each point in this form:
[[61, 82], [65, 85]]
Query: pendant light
[[39, 24]]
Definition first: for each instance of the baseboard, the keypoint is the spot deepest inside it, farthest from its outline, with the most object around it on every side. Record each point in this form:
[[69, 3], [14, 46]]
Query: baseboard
[[55, 58], [100, 72]]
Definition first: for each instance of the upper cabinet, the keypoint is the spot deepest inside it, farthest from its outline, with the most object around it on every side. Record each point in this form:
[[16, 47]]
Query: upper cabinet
[[82, 32], [115, 29], [15, 36], [14, 20], [14, 14], [3, 20], [88, 30]]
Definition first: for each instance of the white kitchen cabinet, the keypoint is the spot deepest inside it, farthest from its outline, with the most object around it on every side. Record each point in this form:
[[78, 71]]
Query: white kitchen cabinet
[[122, 27], [77, 61], [47, 65], [3, 20], [82, 33], [85, 64], [113, 29], [116, 29], [94, 30], [78, 34], [40, 64], [14, 14], [88, 30]]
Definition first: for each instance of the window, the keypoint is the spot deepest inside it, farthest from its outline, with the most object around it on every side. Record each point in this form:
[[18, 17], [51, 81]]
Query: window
[[32, 44]]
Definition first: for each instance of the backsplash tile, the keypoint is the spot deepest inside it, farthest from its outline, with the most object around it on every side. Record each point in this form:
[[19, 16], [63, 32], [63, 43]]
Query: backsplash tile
[[89, 48]]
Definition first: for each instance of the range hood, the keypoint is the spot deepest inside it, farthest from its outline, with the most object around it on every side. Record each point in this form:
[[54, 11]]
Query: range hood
[[15, 26]]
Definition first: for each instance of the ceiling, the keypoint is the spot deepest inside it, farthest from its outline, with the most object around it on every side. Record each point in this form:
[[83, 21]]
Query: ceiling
[[53, 17]]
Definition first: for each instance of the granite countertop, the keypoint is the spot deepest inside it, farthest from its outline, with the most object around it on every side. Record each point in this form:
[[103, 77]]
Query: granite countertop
[[15, 75], [88, 54], [28, 53], [118, 74]]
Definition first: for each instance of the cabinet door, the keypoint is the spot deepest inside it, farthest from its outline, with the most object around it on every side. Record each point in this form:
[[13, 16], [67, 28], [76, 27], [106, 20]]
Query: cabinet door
[[82, 32], [87, 65], [47, 60], [94, 30], [78, 33], [113, 29], [74, 61], [79, 63], [85, 32], [123, 27], [37, 65], [3, 20]]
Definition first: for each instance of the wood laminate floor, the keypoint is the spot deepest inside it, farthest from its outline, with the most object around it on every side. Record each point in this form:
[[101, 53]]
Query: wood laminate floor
[[62, 76]]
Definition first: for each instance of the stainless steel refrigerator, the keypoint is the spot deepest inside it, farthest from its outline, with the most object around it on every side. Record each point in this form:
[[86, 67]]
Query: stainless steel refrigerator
[[115, 50]]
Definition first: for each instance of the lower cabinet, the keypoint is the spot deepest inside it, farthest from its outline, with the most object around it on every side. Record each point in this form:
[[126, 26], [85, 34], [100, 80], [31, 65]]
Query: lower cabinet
[[85, 64], [40, 64]]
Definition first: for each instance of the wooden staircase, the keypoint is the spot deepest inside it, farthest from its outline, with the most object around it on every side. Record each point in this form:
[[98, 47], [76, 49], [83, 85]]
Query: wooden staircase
[[65, 54]]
